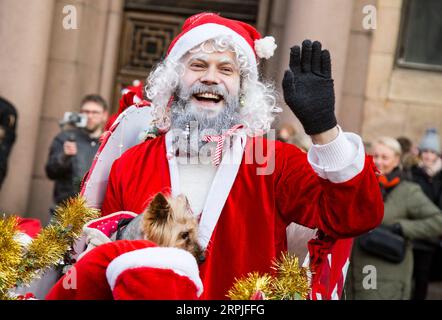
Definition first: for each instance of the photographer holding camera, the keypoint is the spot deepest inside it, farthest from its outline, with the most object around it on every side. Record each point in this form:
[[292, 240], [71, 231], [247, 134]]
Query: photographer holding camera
[[73, 150]]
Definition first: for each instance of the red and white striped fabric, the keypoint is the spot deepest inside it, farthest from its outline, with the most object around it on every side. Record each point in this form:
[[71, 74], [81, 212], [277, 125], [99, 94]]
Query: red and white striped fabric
[[330, 262], [220, 139]]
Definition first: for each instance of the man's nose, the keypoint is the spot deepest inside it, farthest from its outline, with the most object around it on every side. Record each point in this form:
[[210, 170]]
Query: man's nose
[[210, 77]]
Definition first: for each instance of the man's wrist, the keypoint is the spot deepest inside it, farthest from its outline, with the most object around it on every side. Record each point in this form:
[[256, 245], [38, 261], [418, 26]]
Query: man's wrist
[[326, 136]]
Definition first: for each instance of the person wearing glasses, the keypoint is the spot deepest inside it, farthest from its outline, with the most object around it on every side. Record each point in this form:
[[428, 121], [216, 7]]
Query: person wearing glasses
[[72, 150]]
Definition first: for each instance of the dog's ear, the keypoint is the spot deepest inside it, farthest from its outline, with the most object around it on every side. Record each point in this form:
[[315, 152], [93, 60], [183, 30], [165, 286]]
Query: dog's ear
[[183, 200], [159, 209]]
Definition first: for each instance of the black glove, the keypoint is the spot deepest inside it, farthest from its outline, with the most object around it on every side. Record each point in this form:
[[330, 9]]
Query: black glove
[[308, 87]]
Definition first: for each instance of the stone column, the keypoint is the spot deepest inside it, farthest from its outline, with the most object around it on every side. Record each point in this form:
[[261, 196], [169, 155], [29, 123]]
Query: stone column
[[351, 110], [111, 50], [76, 65], [25, 29], [326, 21]]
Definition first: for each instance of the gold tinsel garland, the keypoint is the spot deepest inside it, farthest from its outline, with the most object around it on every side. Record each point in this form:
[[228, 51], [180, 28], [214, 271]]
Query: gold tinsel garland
[[10, 254], [291, 282], [19, 265], [246, 287]]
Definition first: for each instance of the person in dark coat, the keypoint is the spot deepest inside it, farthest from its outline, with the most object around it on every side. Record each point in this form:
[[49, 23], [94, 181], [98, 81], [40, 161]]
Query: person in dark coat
[[428, 175], [72, 150], [8, 123], [428, 172]]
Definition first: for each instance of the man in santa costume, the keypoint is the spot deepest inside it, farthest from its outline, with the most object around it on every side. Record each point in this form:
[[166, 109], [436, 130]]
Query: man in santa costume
[[213, 109]]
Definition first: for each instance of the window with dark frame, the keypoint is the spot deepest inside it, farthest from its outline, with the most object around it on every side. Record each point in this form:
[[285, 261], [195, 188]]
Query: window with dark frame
[[420, 44]]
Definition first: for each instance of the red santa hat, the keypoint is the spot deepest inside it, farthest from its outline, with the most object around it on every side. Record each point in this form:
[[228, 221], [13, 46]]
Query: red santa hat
[[136, 93], [155, 273], [131, 270], [29, 229], [205, 26]]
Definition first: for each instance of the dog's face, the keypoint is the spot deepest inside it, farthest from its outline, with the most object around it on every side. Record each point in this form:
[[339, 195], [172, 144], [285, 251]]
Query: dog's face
[[169, 222]]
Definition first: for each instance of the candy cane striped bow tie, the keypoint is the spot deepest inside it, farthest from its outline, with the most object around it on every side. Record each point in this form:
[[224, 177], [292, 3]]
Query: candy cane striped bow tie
[[219, 139]]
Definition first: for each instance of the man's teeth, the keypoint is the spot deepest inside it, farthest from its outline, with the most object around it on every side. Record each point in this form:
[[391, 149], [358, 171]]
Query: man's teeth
[[207, 95]]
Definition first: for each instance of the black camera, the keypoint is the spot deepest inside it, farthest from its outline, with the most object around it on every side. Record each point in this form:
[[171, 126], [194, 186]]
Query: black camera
[[74, 119]]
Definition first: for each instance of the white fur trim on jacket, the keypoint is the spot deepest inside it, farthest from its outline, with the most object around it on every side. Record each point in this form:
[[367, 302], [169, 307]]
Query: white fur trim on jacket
[[178, 260], [340, 160]]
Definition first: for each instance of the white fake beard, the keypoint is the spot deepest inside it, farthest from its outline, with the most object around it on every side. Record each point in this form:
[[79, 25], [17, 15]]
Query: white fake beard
[[190, 124]]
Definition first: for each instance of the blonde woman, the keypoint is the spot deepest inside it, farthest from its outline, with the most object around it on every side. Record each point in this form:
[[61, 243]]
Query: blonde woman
[[409, 214]]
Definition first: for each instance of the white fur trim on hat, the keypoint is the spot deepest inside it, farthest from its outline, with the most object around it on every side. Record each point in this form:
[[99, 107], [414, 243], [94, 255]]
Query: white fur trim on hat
[[206, 32], [23, 238], [265, 47], [136, 99], [179, 261]]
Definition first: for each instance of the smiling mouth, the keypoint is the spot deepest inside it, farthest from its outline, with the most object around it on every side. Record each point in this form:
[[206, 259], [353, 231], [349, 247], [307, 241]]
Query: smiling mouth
[[208, 97]]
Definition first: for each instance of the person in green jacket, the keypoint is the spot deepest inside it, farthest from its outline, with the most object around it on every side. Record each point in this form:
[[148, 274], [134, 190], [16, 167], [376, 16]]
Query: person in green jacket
[[408, 213]]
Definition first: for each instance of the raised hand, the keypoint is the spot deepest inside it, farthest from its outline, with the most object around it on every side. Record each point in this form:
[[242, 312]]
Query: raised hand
[[70, 148], [308, 87]]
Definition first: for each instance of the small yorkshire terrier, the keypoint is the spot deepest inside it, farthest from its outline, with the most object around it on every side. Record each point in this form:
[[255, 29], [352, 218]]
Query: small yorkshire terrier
[[169, 222]]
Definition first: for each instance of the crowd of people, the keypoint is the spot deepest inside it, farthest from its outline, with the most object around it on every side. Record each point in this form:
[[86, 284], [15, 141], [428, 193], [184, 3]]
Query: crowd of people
[[411, 183]]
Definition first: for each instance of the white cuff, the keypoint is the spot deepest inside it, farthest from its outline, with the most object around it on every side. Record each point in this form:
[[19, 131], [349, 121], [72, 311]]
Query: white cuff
[[178, 260], [339, 160]]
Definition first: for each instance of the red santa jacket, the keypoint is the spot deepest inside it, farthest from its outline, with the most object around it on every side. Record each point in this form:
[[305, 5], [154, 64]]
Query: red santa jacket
[[250, 228]]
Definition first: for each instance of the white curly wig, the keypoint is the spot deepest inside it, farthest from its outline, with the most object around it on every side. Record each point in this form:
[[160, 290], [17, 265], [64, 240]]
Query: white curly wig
[[257, 98]]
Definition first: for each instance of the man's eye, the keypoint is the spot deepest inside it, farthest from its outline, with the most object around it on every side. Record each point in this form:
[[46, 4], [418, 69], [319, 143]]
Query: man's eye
[[197, 65], [227, 70]]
